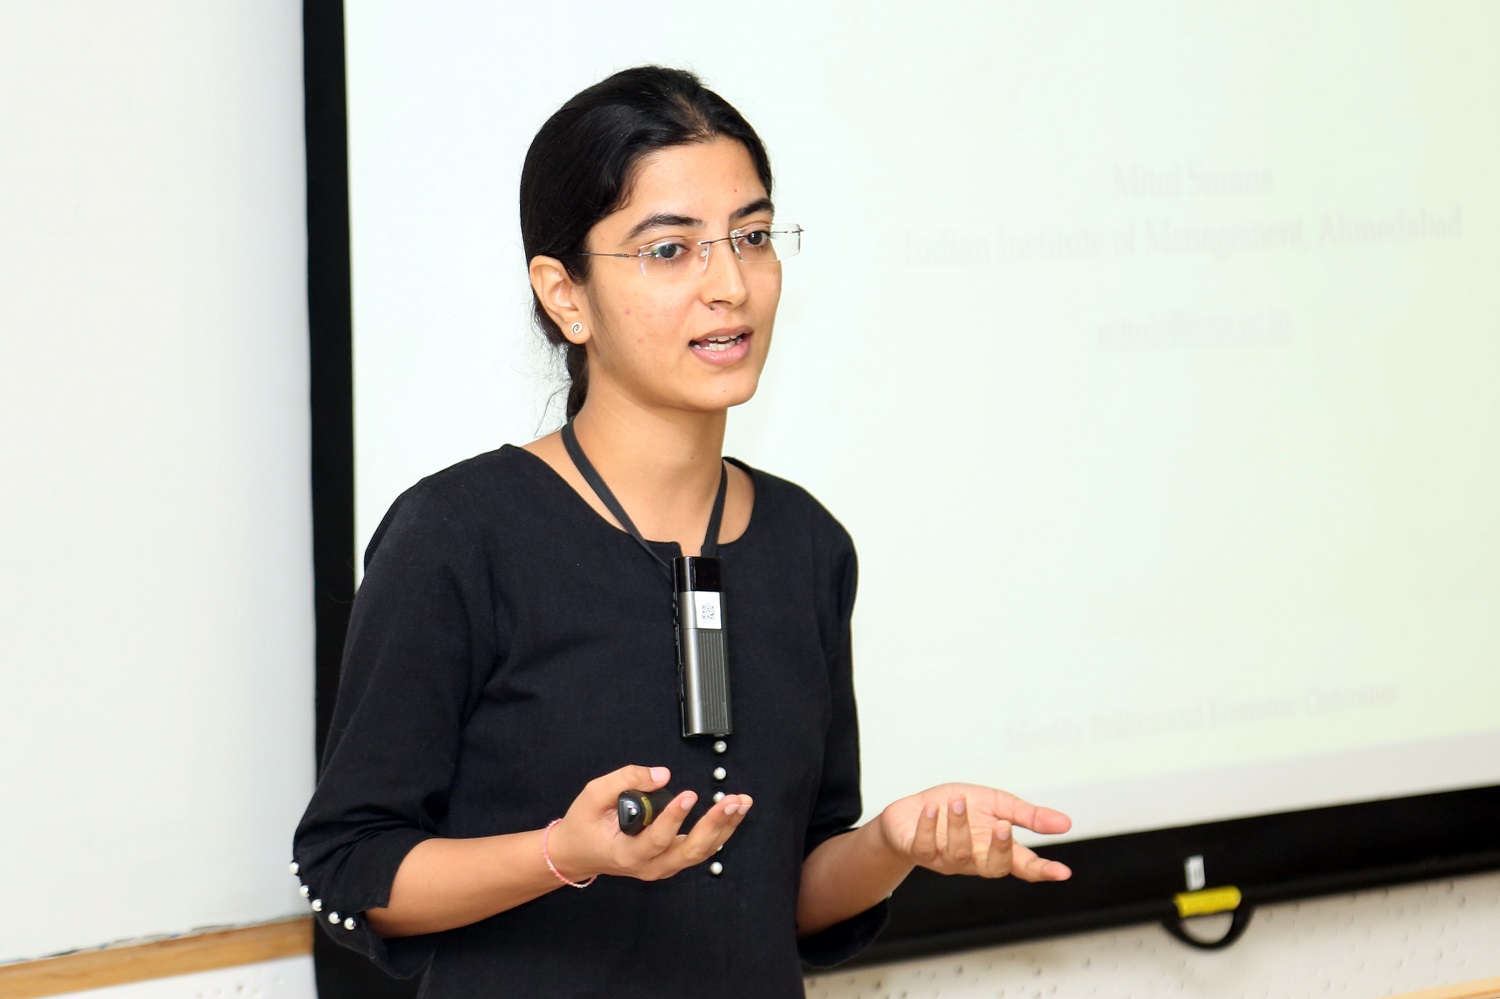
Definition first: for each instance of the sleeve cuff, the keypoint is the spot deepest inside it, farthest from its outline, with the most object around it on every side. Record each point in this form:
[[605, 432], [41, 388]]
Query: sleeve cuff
[[399, 957], [360, 881], [842, 941]]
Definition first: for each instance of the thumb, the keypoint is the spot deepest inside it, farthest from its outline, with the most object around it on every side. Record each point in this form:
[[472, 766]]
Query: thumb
[[633, 778]]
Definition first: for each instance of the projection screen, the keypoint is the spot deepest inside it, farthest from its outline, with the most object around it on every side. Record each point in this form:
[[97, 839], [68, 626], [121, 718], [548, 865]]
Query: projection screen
[[1147, 351]]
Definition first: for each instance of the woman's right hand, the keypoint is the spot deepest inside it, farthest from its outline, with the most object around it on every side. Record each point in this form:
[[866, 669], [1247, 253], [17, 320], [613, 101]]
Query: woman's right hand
[[588, 840]]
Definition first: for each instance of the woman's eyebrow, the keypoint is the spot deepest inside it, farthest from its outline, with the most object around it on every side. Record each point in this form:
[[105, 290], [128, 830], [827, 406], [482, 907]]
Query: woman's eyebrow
[[663, 220], [758, 205], [666, 220]]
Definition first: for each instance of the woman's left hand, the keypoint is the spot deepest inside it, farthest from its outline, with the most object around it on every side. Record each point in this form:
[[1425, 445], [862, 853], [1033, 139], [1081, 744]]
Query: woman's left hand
[[966, 829]]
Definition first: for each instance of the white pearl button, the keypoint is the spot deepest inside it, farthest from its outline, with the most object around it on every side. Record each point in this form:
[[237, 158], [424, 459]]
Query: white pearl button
[[334, 917], [720, 773], [294, 868], [719, 747], [716, 868], [317, 905], [349, 923], [304, 891], [718, 795]]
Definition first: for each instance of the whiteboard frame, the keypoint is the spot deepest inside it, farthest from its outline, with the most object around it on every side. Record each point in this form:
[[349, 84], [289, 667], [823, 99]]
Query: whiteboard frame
[[1125, 879]]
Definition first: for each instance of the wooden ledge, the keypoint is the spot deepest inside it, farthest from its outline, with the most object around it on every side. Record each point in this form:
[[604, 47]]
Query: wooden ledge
[[1489, 988], [97, 969]]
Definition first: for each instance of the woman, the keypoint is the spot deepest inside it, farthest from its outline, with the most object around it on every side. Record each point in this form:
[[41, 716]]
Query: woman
[[512, 644]]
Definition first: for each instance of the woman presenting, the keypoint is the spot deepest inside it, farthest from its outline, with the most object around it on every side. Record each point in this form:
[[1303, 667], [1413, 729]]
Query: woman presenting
[[511, 665]]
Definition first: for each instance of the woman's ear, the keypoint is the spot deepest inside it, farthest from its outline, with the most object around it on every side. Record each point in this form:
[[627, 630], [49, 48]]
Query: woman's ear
[[561, 297]]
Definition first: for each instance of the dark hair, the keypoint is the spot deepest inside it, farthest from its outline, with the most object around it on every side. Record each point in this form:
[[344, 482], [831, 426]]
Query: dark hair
[[578, 170]]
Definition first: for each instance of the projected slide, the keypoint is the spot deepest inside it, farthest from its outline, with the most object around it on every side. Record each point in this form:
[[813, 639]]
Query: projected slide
[[1149, 355]]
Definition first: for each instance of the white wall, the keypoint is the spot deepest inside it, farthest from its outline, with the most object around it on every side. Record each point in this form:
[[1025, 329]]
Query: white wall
[[155, 581]]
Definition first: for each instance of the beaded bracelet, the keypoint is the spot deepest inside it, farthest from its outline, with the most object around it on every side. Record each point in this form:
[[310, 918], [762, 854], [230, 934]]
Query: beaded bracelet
[[551, 867]]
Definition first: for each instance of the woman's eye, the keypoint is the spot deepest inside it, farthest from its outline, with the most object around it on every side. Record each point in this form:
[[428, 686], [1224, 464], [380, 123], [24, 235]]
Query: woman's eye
[[667, 251], [759, 237]]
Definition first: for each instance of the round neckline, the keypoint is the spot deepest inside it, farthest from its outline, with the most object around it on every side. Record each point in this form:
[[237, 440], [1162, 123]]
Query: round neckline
[[556, 477]]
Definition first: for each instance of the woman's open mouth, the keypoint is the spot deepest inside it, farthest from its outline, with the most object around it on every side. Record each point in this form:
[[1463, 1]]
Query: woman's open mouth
[[718, 343], [723, 346]]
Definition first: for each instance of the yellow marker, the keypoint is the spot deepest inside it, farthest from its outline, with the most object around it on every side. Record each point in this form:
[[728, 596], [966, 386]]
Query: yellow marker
[[1207, 901]]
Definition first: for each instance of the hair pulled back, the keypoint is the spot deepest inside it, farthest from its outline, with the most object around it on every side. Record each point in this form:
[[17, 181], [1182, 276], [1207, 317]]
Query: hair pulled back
[[578, 170]]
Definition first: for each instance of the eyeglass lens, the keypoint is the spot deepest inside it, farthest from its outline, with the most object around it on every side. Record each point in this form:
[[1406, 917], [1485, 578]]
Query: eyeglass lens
[[678, 258]]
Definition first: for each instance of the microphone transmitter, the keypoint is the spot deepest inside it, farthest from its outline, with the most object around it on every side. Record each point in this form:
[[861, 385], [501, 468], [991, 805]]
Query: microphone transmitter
[[702, 665]]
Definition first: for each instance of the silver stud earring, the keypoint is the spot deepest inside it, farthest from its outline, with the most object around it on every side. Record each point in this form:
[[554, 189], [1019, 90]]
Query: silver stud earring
[[577, 328]]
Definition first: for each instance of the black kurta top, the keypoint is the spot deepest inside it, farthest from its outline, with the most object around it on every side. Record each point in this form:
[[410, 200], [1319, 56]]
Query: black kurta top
[[507, 646]]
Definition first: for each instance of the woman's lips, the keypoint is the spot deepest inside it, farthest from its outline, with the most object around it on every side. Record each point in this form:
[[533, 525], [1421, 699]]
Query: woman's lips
[[723, 346]]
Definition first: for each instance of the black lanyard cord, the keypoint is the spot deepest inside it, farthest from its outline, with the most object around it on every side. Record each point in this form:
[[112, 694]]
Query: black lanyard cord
[[596, 483]]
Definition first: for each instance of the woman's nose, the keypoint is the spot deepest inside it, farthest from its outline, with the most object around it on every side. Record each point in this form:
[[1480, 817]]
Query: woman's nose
[[722, 280]]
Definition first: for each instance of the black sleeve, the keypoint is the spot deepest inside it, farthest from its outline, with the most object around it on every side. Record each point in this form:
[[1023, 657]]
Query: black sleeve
[[422, 638], [838, 805]]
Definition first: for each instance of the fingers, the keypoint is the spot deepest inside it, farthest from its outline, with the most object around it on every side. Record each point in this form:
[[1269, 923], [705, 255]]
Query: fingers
[[714, 829], [1007, 857], [1047, 821], [710, 832], [1022, 862], [924, 841], [661, 834], [999, 857], [638, 779], [958, 852], [1027, 866], [604, 791], [661, 849], [975, 834]]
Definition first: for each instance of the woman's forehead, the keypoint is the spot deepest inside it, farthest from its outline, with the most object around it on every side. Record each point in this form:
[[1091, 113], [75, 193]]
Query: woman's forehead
[[706, 181]]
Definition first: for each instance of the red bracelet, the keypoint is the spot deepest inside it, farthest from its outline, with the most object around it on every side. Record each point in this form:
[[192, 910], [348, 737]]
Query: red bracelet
[[551, 867]]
